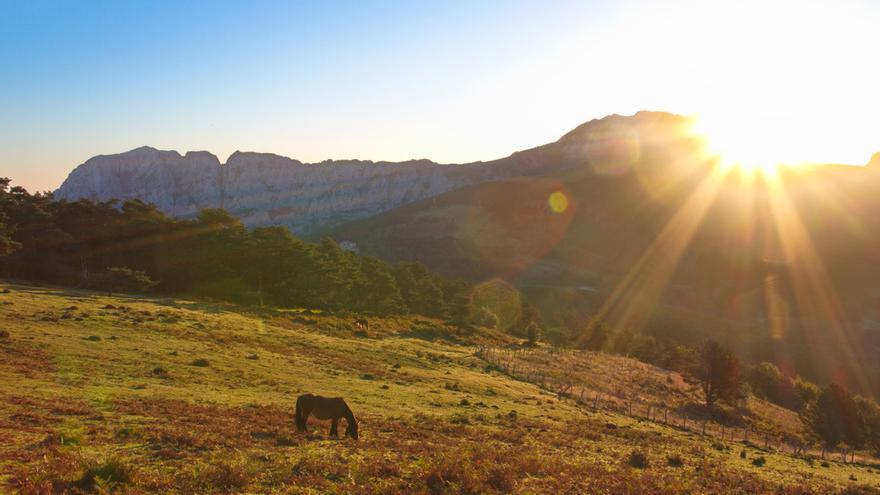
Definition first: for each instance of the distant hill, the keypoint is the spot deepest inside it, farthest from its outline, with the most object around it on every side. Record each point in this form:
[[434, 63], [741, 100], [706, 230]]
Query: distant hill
[[654, 238], [267, 189], [624, 216]]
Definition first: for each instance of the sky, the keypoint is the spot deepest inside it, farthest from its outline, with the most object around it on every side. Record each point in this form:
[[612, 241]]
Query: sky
[[451, 81]]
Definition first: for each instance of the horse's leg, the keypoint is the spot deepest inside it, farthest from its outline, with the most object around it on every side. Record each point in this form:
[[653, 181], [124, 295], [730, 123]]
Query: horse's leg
[[306, 411], [333, 425]]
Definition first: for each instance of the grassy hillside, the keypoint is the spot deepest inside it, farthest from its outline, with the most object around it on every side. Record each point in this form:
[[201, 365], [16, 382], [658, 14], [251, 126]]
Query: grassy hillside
[[702, 246], [182, 396]]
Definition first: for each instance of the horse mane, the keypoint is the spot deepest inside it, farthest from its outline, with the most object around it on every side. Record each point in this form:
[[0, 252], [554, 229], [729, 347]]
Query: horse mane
[[349, 415]]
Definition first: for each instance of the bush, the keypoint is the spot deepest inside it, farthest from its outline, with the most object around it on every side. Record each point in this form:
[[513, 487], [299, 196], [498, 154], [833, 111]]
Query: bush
[[675, 461], [122, 279], [638, 459], [759, 461], [113, 472], [201, 362], [220, 476], [4, 334], [485, 317]]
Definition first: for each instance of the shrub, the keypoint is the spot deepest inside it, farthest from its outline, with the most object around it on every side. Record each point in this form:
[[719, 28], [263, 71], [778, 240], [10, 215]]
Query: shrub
[[160, 372], [759, 461], [638, 459], [116, 279], [201, 362], [253, 357], [220, 476], [113, 472], [675, 461], [93, 338], [485, 317], [4, 334]]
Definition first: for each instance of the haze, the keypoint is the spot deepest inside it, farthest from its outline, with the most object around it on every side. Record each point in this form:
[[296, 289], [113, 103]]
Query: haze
[[448, 81]]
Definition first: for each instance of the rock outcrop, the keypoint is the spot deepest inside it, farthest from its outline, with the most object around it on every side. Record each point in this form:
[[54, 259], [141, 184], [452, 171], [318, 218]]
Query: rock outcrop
[[267, 189]]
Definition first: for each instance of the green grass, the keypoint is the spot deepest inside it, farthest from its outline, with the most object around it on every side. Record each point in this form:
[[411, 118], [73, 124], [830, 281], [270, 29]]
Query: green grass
[[432, 418]]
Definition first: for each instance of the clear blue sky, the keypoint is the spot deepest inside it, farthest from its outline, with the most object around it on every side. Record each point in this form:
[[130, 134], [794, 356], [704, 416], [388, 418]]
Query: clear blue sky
[[450, 81]]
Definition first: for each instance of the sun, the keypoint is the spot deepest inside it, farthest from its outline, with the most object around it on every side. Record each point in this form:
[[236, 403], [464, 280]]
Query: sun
[[750, 145]]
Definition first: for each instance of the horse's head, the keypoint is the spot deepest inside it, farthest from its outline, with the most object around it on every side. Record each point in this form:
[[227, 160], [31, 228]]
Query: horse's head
[[352, 430]]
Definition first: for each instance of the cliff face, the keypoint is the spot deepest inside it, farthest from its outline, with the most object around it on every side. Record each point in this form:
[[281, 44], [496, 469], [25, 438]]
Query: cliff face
[[261, 188], [267, 189]]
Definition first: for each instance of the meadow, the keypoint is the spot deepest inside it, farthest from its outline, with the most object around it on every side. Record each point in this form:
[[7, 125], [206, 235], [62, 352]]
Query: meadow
[[136, 394]]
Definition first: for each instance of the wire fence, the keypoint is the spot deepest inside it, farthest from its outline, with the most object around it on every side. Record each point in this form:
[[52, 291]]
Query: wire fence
[[514, 363]]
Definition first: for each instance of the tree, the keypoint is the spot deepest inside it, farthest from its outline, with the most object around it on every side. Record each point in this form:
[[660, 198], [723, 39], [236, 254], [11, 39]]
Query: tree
[[597, 335], [827, 416], [533, 333], [420, 290], [485, 317], [768, 382], [7, 245], [528, 314], [718, 373], [869, 415], [804, 392], [120, 279], [376, 289]]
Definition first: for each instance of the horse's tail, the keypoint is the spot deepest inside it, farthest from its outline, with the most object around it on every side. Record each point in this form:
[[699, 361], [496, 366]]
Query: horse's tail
[[300, 419]]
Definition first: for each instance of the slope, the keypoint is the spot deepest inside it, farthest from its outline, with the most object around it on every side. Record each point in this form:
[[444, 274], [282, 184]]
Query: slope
[[183, 396]]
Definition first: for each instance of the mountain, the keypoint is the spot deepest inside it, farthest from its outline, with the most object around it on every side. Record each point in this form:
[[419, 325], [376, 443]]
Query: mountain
[[650, 234], [626, 217], [267, 189]]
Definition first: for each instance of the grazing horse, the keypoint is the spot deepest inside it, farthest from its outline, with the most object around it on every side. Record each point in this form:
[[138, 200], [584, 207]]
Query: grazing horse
[[363, 324], [331, 408]]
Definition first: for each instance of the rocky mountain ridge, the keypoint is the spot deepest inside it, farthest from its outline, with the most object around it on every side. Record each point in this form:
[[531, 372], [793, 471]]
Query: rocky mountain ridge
[[268, 189]]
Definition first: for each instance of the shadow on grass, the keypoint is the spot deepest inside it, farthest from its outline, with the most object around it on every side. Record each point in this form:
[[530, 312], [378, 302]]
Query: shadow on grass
[[432, 334]]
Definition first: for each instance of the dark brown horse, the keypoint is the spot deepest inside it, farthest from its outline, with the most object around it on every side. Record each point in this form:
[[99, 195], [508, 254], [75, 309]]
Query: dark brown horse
[[332, 408]]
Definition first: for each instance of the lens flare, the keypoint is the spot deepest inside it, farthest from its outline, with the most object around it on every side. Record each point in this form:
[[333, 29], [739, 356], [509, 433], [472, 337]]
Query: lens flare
[[558, 202]]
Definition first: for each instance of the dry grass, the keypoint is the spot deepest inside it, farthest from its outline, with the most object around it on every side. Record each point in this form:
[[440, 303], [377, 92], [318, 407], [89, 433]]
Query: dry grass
[[74, 412]]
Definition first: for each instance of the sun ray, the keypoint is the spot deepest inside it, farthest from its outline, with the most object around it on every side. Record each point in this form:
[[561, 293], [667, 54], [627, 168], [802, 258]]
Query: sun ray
[[813, 290], [637, 294]]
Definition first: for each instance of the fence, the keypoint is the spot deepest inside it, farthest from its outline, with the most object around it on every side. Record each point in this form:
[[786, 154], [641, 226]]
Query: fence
[[512, 363]]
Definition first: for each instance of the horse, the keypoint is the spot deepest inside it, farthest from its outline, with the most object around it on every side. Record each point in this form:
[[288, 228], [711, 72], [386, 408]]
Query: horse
[[332, 408], [363, 324]]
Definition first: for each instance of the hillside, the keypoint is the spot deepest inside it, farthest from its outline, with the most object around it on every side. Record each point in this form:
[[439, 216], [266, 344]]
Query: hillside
[[189, 396], [654, 238]]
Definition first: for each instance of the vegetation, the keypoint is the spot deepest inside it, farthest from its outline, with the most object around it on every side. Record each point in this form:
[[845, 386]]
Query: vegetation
[[134, 247], [433, 419], [68, 345], [718, 373]]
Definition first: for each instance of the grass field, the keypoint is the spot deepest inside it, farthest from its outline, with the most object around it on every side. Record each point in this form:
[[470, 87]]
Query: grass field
[[143, 395]]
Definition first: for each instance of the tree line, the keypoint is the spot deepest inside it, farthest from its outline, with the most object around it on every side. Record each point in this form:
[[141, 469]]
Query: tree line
[[133, 246], [832, 415]]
